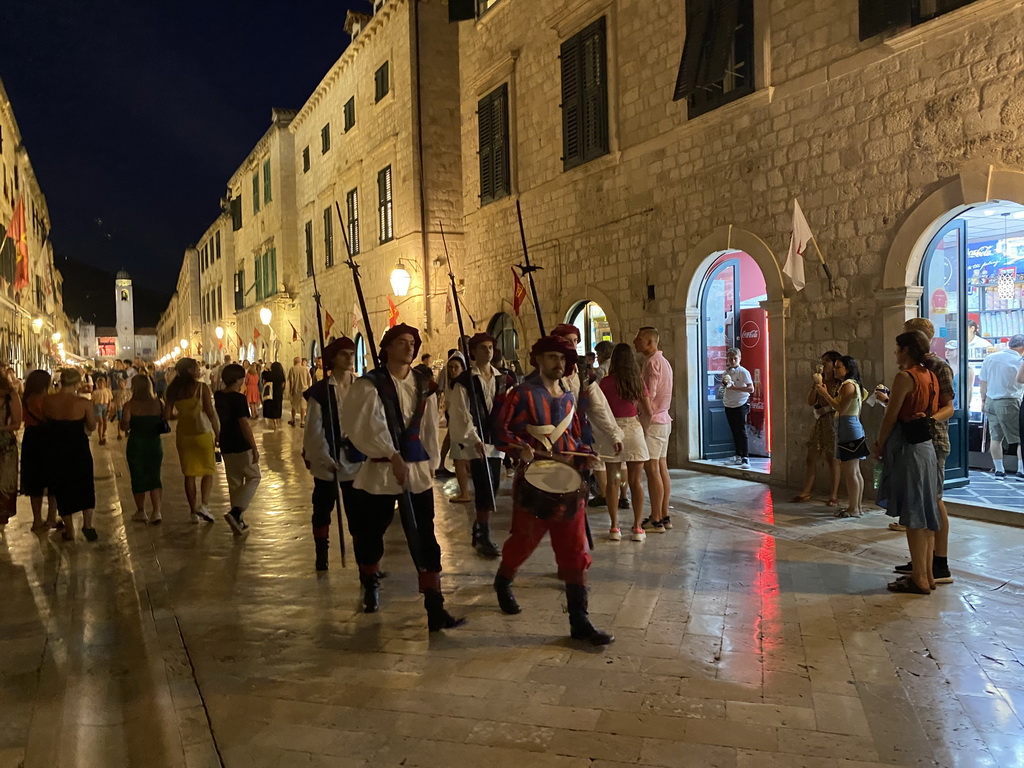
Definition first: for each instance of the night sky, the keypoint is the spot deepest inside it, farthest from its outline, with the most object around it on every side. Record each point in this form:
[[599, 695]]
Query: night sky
[[135, 114]]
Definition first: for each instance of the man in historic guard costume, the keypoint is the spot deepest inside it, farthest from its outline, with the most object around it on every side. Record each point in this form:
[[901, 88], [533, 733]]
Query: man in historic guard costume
[[540, 416], [396, 463], [328, 454], [488, 386]]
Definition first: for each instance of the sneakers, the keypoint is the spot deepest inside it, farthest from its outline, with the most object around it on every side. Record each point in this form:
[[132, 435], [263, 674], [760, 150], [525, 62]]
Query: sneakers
[[204, 514], [639, 534], [666, 521], [614, 534], [1020, 475], [140, 517], [193, 518], [658, 527], [999, 473], [156, 518], [940, 574], [744, 463], [234, 519], [732, 462], [597, 501]]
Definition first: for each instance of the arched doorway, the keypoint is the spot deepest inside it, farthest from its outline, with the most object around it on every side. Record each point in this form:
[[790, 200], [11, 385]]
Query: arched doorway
[[731, 318], [972, 289], [503, 328], [593, 323]]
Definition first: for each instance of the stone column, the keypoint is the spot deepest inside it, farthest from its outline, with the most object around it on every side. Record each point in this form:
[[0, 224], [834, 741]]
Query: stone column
[[685, 441], [778, 315], [897, 305]]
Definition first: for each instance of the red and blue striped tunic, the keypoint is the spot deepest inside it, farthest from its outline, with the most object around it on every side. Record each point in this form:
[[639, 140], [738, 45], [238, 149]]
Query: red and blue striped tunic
[[531, 404]]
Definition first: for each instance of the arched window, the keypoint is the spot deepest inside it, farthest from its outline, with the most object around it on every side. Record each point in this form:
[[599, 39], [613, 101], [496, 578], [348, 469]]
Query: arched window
[[503, 328], [124, 295], [592, 321]]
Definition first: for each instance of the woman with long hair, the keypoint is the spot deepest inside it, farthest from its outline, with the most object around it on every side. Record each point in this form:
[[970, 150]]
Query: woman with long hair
[[252, 388], [142, 418], [273, 384], [851, 445], [909, 486], [70, 420], [461, 454], [10, 423], [35, 463], [822, 440], [628, 399], [197, 433]]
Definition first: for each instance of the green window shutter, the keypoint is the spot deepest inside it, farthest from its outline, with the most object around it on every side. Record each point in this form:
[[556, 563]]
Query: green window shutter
[[350, 114], [309, 248], [500, 154], [259, 278], [352, 206], [485, 130], [382, 81], [256, 192], [305, 159], [236, 213], [267, 196], [273, 271], [384, 205], [328, 238], [325, 139], [595, 91], [572, 103]]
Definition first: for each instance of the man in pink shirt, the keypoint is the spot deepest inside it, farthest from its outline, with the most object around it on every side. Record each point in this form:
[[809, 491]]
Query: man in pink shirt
[[657, 375]]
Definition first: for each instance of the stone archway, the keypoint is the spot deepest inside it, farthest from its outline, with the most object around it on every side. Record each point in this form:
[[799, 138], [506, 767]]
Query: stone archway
[[590, 293], [686, 442], [900, 293]]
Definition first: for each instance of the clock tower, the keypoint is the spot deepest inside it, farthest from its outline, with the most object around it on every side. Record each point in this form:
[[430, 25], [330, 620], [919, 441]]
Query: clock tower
[[124, 301]]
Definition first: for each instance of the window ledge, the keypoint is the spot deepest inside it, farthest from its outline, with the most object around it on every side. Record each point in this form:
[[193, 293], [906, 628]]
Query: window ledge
[[762, 97], [601, 163], [949, 23]]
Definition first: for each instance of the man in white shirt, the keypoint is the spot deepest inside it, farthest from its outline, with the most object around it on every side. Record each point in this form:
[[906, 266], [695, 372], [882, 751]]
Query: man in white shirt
[[489, 386], [1000, 400], [298, 382], [737, 388], [390, 415], [330, 456]]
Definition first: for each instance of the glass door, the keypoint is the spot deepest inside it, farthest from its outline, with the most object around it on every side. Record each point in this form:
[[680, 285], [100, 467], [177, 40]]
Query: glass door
[[719, 308], [944, 302]]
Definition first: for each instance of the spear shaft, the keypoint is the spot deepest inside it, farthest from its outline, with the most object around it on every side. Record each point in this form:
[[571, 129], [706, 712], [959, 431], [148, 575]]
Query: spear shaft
[[529, 269]]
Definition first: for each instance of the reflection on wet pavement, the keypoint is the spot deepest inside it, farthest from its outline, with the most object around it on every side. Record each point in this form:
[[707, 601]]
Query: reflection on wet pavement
[[755, 633]]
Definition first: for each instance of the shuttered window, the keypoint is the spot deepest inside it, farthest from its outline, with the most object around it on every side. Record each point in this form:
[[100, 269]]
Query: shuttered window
[[216, 240], [381, 81], [717, 65], [256, 192], [328, 238], [309, 248], [350, 114], [384, 205], [236, 213], [267, 195], [305, 159], [325, 139], [258, 268], [270, 272], [877, 16], [492, 119], [240, 289], [352, 213], [584, 96], [220, 303]]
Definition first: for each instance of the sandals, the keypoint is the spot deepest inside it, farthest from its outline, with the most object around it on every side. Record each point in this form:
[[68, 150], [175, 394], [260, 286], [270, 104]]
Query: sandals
[[906, 585], [848, 513], [832, 502], [897, 527], [800, 498], [460, 499]]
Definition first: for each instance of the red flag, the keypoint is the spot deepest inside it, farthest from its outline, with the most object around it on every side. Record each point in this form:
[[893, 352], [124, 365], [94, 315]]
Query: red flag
[[19, 236], [392, 313], [295, 333], [518, 292], [328, 324], [255, 334]]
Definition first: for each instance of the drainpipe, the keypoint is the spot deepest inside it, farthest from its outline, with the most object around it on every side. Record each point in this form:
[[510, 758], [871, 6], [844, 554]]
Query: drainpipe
[[424, 222]]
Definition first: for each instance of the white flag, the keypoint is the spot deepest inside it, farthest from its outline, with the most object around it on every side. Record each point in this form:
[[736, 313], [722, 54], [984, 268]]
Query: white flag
[[273, 336], [798, 241]]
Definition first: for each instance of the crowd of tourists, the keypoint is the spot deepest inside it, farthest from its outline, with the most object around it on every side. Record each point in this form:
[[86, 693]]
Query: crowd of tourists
[[573, 431]]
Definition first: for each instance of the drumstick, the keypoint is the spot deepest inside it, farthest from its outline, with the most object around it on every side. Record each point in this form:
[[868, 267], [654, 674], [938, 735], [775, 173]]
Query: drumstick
[[578, 453]]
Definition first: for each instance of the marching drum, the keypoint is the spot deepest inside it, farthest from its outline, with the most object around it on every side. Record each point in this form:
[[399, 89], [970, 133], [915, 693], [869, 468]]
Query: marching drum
[[549, 489]]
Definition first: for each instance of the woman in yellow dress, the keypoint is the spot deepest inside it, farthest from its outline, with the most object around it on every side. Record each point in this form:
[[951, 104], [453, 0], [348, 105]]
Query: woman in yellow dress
[[197, 433]]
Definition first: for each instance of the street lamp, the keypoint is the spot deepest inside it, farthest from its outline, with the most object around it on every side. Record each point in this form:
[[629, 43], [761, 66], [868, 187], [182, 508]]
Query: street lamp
[[56, 337], [184, 344], [265, 316], [37, 324], [218, 332], [400, 280]]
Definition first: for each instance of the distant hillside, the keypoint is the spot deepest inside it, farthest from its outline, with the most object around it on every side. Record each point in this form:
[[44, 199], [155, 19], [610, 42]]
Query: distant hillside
[[89, 294]]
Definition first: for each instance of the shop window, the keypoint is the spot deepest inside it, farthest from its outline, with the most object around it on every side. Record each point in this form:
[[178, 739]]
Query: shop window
[[492, 118], [877, 16], [584, 96], [350, 114], [718, 54], [382, 81], [384, 206], [352, 211]]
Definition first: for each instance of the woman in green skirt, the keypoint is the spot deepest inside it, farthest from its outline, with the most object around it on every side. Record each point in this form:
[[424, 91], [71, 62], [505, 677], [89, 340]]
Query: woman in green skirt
[[142, 418]]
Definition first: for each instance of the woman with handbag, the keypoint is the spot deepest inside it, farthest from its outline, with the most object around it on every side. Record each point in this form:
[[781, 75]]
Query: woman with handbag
[[909, 486], [198, 431], [851, 445], [142, 418]]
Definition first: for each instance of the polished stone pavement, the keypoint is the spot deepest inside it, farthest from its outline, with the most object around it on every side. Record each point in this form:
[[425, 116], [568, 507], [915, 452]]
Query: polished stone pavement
[[756, 633]]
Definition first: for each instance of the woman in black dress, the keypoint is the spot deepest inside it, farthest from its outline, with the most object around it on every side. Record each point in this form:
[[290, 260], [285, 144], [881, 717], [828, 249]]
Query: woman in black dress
[[273, 385], [70, 419], [35, 460]]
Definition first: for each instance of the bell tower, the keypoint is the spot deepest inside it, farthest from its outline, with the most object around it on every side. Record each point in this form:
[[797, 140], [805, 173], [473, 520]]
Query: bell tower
[[124, 301]]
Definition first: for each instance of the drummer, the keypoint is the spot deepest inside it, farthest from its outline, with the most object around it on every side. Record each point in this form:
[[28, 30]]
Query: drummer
[[489, 386], [539, 415]]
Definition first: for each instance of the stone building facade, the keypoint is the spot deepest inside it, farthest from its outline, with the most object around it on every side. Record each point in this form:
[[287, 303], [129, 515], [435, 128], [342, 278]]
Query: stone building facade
[[34, 330], [881, 139], [182, 320]]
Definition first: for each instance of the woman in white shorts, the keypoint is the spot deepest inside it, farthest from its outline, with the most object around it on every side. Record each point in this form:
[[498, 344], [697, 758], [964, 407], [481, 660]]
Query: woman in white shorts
[[627, 397]]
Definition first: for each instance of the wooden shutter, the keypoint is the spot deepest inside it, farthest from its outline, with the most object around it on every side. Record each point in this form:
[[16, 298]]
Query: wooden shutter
[[272, 257], [352, 204], [572, 102], [877, 16], [461, 10], [236, 213], [266, 182], [384, 205], [595, 91], [259, 278], [328, 238], [256, 192], [485, 120], [698, 21], [721, 40], [499, 122], [305, 159], [350, 113]]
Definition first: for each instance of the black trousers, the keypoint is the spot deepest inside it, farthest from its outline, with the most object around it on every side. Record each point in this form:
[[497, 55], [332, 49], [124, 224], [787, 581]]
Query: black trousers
[[738, 424], [485, 491], [368, 521], [324, 498]]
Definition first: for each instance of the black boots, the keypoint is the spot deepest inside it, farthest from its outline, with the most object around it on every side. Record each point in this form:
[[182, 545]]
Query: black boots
[[321, 553], [371, 591], [437, 617], [579, 620], [482, 540], [506, 600]]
